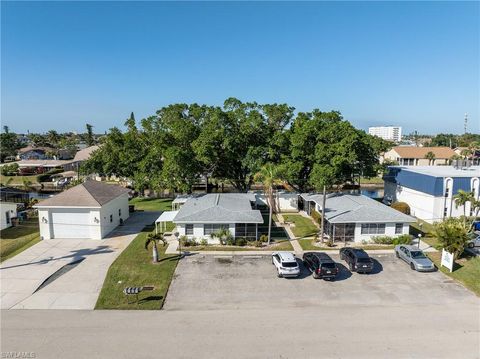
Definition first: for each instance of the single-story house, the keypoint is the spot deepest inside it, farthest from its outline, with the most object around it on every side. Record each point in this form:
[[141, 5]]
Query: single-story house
[[90, 210], [430, 190], [35, 153], [416, 156], [354, 217], [80, 157], [8, 211], [284, 201], [202, 215]]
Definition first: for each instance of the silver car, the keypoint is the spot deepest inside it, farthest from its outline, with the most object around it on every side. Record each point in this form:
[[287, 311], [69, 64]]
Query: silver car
[[474, 240], [415, 257]]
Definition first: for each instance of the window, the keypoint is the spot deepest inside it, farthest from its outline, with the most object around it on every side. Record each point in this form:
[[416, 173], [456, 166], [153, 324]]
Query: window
[[210, 228], [189, 229], [398, 228], [248, 230], [7, 217], [119, 212], [111, 218], [373, 228]]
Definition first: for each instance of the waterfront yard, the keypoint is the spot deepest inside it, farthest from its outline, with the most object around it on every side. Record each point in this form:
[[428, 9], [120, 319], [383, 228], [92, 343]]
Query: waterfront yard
[[152, 204]]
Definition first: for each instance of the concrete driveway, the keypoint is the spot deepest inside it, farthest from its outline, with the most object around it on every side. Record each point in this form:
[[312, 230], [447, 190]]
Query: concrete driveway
[[77, 288], [215, 282]]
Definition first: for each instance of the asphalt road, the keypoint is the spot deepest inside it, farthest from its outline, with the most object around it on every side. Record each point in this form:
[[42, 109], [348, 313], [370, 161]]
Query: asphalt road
[[323, 331]]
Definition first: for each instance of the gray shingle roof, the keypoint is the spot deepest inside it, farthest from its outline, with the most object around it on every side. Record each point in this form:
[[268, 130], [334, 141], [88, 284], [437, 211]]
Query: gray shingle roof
[[354, 208], [219, 208], [87, 194]]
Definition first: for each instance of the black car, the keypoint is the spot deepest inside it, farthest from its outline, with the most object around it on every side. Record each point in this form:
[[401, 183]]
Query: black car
[[321, 265], [357, 260]]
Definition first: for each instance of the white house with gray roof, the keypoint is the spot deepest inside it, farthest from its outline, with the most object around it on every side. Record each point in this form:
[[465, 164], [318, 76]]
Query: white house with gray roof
[[90, 210], [202, 215], [358, 218]]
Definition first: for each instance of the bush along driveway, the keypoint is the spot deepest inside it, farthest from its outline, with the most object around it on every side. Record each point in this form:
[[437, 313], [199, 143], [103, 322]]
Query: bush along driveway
[[134, 268]]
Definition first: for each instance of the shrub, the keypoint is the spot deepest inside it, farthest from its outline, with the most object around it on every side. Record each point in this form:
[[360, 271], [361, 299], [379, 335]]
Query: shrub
[[317, 217], [46, 177], [187, 242], [204, 242], [241, 241], [329, 242], [382, 239], [264, 238], [230, 241], [403, 239], [401, 207], [258, 244], [10, 170]]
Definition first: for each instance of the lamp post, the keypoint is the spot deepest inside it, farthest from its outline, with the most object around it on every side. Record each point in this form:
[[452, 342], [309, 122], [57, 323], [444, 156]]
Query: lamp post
[[419, 237]]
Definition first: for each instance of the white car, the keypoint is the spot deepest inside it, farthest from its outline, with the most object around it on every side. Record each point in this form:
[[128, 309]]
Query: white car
[[474, 241], [286, 264]]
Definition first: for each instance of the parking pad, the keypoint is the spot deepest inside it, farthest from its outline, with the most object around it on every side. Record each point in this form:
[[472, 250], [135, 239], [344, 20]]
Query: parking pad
[[221, 282]]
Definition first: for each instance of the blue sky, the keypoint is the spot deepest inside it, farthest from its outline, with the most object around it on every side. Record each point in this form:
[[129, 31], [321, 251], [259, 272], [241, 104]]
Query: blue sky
[[68, 63]]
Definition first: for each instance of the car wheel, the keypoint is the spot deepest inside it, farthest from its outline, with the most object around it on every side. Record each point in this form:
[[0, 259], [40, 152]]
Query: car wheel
[[350, 266], [471, 245], [314, 275], [342, 257], [412, 266], [397, 255], [279, 274]]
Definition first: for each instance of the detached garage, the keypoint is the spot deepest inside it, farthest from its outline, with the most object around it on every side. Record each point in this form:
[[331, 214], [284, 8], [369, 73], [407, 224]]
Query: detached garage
[[90, 210]]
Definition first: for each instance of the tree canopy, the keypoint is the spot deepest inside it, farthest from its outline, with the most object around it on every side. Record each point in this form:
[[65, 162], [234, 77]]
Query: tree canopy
[[183, 143]]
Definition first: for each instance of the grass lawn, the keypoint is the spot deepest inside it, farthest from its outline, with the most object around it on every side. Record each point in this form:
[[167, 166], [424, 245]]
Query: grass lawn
[[304, 227], [308, 245], [283, 245], [421, 226], [17, 180], [466, 270], [152, 204], [134, 268], [16, 239]]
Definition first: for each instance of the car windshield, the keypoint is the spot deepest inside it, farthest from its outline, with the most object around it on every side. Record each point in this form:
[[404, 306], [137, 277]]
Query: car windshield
[[328, 265], [364, 260], [417, 254], [289, 264]]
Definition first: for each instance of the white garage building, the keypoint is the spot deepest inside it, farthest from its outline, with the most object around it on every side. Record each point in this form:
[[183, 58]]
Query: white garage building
[[90, 210]]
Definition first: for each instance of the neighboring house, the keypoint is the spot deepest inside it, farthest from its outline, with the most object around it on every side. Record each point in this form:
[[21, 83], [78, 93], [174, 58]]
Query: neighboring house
[[357, 218], [81, 156], [475, 157], [90, 210], [41, 166], [202, 215], [430, 190], [415, 156], [388, 133], [7, 212], [35, 153]]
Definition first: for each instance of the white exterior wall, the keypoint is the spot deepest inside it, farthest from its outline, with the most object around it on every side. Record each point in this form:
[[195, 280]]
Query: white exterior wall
[[389, 133], [111, 208], [198, 232], [287, 201], [423, 205], [389, 231], [9, 207], [53, 220]]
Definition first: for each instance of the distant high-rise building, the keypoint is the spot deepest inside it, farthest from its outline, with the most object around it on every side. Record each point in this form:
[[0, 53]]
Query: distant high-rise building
[[389, 133]]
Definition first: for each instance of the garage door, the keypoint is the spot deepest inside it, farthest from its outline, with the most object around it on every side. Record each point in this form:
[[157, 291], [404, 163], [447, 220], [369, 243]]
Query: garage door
[[71, 225]]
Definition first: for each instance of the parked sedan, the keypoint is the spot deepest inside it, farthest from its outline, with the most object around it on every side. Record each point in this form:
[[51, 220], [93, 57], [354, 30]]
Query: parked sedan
[[474, 240], [321, 265], [415, 257], [286, 264]]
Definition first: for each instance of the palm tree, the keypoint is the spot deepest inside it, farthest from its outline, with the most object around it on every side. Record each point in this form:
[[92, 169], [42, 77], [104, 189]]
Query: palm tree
[[475, 205], [270, 175], [154, 238], [461, 199], [452, 234], [430, 156], [223, 235]]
